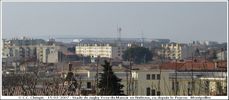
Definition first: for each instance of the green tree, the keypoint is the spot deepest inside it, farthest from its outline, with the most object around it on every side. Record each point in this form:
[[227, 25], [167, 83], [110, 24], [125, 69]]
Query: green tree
[[138, 55], [109, 83]]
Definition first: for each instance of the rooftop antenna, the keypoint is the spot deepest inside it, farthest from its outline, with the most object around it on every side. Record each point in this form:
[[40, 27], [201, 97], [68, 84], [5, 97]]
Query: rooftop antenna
[[142, 35], [119, 29]]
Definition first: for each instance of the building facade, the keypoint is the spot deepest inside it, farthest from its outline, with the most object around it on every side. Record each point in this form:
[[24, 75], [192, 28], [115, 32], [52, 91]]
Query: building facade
[[176, 51], [48, 53], [100, 50], [222, 55], [172, 51]]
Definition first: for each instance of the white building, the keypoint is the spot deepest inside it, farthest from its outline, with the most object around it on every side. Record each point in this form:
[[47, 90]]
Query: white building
[[152, 82], [176, 51], [99, 49], [222, 55]]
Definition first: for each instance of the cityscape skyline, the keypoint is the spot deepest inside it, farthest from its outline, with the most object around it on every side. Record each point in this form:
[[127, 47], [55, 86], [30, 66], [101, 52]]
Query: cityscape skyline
[[179, 22], [78, 39], [105, 50]]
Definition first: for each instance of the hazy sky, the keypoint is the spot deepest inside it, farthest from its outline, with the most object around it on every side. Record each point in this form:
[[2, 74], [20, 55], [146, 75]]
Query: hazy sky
[[180, 22]]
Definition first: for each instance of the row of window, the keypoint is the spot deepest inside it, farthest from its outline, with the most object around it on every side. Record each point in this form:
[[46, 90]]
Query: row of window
[[153, 76], [93, 55], [93, 51], [93, 48], [90, 45], [152, 92]]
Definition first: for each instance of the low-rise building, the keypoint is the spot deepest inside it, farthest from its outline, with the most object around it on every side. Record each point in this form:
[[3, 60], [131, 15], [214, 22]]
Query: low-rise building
[[197, 78], [184, 78]]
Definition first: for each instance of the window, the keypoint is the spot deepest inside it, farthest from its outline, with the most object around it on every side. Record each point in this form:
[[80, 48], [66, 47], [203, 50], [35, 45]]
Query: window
[[88, 84], [206, 86], [173, 86], [189, 88], [148, 76], [153, 92], [219, 87], [153, 77], [177, 86], [189, 92], [148, 91], [158, 93], [158, 76]]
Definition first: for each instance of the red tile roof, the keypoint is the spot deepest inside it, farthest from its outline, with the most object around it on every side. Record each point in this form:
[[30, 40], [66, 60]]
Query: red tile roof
[[191, 65], [68, 53]]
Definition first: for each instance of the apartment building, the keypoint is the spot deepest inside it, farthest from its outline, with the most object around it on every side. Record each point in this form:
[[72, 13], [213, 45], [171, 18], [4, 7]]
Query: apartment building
[[19, 52], [20, 48], [100, 50], [27, 49], [48, 53], [176, 51]]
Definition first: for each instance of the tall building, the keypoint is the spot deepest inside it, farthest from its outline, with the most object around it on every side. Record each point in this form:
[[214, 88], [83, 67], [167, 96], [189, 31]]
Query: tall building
[[19, 52], [171, 51], [176, 51], [48, 53], [27, 48], [24, 41]]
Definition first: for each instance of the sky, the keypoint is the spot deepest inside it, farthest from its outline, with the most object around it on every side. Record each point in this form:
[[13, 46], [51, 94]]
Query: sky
[[179, 22]]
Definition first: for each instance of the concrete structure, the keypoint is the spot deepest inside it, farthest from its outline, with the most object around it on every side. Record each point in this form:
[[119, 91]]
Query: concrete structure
[[100, 49], [25, 41], [86, 76], [198, 83], [19, 52], [171, 51], [173, 79], [176, 51], [21, 48], [48, 53], [25, 49], [152, 82], [222, 55]]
